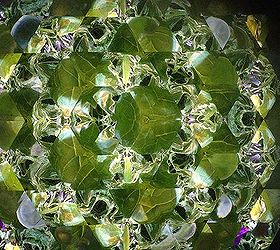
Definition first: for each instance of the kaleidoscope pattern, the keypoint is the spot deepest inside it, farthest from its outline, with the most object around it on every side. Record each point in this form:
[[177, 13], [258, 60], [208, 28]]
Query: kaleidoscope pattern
[[136, 125]]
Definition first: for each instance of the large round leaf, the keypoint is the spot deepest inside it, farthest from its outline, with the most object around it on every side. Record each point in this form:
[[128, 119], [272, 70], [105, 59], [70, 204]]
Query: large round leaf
[[144, 34], [219, 161], [219, 78], [148, 119], [154, 204], [77, 165]]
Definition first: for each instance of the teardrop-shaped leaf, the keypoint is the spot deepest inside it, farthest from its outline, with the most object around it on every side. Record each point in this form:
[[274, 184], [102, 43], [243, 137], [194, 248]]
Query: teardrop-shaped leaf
[[11, 121], [224, 206], [8, 179], [220, 30], [160, 177], [7, 65], [27, 214], [124, 41]]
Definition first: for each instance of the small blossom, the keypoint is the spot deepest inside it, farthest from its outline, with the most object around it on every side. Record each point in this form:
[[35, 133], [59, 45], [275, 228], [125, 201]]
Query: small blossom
[[2, 16], [61, 196], [10, 246], [242, 232], [254, 79], [190, 119], [256, 158], [2, 225], [58, 45], [189, 43]]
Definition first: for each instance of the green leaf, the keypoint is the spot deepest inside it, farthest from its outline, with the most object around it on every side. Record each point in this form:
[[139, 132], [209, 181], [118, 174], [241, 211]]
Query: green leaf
[[68, 25], [9, 205], [101, 8], [206, 240], [160, 177], [158, 60], [88, 134], [148, 119], [7, 64], [25, 100], [127, 116], [24, 140], [126, 68], [77, 237], [124, 41], [77, 165], [152, 35], [154, 8], [212, 71], [70, 7], [8, 44], [225, 232], [222, 87], [219, 160], [264, 104], [144, 34], [217, 236], [246, 196], [8, 179], [11, 121], [81, 72], [108, 234], [264, 134], [271, 200], [69, 214], [154, 204], [224, 99], [126, 199]]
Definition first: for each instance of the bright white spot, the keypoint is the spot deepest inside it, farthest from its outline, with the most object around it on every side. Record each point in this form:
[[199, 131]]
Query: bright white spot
[[220, 30]]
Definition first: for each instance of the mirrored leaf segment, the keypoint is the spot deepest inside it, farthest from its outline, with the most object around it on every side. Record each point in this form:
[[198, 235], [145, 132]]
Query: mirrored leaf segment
[[135, 125]]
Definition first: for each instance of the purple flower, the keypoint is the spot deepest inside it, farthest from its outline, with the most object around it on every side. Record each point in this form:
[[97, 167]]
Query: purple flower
[[2, 225], [242, 232], [58, 45], [190, 119], [189, 43], [256, 158], [61, 196], [254, 79]]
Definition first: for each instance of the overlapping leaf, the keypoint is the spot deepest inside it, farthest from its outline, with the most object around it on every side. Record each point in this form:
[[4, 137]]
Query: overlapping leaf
[[147, 118], [219, 78]]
